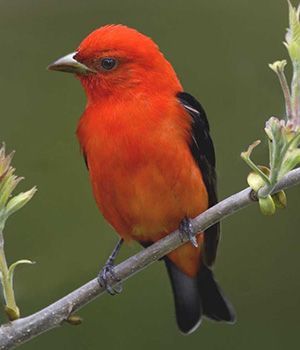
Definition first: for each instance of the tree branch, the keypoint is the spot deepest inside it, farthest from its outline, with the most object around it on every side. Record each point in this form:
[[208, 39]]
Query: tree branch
[[17, 332]]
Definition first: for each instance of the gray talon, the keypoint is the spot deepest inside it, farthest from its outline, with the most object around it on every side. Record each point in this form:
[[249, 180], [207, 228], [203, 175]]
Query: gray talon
[[106, 273], [186, 230]]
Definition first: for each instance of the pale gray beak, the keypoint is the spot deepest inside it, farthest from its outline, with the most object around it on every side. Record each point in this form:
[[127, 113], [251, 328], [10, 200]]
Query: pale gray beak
[[69, 64]]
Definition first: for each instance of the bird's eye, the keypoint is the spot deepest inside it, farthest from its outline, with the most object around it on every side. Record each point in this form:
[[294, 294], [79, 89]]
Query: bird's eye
[[108, 63]]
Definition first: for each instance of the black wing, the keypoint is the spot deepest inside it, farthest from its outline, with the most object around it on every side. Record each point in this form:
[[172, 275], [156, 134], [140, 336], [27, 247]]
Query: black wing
[[85, 159], [202, 149]]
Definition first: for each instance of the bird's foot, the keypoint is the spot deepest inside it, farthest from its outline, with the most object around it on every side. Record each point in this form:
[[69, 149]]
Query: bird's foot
[[187, 231], [107, 273]]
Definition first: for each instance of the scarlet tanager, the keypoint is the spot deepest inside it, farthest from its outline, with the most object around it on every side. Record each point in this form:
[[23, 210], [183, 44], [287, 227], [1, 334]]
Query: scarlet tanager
[[150, 158]]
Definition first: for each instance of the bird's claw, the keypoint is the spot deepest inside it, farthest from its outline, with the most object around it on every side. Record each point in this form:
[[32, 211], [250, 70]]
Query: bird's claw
[[107, 273], [187, 231]]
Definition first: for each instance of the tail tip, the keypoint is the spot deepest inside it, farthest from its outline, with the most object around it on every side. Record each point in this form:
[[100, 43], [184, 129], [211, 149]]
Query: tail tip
[[187, 329]]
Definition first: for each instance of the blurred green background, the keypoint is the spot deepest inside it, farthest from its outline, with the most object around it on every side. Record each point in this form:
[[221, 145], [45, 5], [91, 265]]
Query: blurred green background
[[220, 50]]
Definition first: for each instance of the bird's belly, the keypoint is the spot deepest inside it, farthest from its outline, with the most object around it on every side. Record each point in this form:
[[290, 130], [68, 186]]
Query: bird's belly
[[148, 201]]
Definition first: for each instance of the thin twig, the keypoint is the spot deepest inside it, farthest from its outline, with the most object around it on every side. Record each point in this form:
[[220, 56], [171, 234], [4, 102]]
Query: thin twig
[[17, 332]]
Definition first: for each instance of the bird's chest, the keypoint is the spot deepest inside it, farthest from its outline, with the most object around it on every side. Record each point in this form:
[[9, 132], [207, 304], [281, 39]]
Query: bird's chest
[[144, 191], [127, 172], [143, 177]]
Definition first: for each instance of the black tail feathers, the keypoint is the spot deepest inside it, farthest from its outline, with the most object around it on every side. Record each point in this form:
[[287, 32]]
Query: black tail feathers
[[197, 296], [215, 305], [187, 299]]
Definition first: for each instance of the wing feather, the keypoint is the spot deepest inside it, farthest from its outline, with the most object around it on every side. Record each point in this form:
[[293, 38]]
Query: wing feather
[[202, 149]]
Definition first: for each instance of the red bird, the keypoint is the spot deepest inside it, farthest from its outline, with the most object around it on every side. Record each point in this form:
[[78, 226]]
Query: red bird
[[151, 160]]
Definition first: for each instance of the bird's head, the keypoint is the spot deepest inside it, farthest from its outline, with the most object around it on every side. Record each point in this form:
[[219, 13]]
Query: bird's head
[[114, 59]]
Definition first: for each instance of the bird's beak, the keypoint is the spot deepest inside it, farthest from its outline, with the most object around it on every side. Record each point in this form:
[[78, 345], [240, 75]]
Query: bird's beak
[[69, 64]]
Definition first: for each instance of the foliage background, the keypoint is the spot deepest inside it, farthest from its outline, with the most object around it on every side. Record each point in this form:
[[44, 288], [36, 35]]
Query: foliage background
[[220, 51]]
